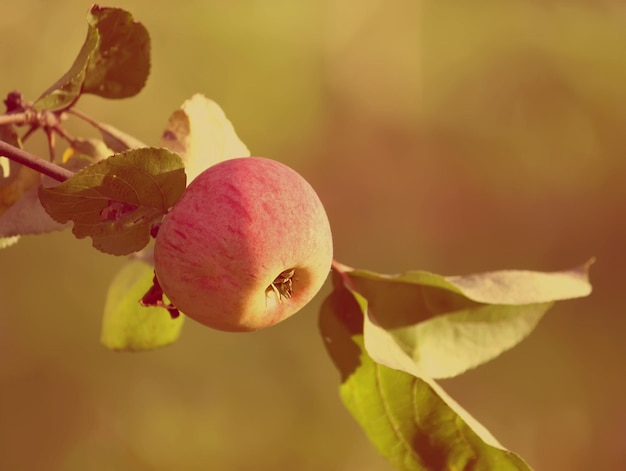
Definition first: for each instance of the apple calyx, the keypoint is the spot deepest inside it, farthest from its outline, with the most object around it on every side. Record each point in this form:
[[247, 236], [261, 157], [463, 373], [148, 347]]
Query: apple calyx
[[283, 284]]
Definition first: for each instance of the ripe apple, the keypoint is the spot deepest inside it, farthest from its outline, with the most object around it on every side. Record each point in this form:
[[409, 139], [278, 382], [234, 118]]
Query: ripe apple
[[247, 245]]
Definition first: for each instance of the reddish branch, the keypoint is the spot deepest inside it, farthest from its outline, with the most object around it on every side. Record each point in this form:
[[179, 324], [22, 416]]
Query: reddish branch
[[32, 161], [20, 112]]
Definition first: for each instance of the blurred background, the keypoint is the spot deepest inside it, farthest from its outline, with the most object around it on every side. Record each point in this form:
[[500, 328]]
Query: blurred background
[[454, 137]]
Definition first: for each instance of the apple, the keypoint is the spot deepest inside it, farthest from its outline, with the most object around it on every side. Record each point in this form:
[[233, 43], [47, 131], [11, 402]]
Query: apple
[[247, 245]]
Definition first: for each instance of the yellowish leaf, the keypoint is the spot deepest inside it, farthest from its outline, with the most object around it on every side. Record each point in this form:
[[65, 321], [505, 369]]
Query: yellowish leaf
[[128, 326], [202, 134]]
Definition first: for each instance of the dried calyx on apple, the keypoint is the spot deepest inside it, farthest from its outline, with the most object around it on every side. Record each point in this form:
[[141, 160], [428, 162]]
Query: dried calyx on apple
[[247, 245]]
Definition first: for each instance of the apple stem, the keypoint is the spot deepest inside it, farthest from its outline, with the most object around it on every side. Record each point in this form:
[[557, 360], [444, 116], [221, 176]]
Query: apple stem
[[340, 267], [154, 298], [343, 270], [36, 163]]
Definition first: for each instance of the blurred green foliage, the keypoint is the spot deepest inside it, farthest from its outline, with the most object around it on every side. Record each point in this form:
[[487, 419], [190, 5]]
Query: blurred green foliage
[[445, 137]]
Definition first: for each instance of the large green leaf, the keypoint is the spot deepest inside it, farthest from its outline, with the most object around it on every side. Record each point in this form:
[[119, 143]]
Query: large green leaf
[[114, 61], [410, 420], [128, 326], [446, 325], [116, 201]]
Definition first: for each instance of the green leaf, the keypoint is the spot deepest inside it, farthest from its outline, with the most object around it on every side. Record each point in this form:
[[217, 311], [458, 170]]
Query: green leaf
[[65, 91], [117, 200], [114, 61], [202, 134], [119, 67], [410, 420], [128, 326], [447, 325]]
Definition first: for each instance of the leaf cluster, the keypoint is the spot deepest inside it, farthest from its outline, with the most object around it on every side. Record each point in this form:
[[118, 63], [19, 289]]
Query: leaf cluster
[[114, 61], [392, 336], [118, 200]]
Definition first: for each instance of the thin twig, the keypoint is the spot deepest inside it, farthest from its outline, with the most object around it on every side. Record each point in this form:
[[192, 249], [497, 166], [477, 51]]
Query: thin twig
[[31, 130], [14, 118], [36, 163], [84, 117], [50, 139], [64, 134]]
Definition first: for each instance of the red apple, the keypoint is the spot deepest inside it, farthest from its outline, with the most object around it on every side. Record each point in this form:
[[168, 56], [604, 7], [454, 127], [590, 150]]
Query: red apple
[[247, 245]]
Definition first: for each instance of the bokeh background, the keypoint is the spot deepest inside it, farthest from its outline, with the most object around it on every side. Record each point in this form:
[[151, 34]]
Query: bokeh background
[[448, 136]]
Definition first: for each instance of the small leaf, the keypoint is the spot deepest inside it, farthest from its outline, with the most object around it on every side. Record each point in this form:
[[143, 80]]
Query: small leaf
[[15, 179], [113, 138], [114, 61], [410, 420], [120, 65], [128, 326], [65, 91], [117, 140], [202, 134], [447, 325], [28, 217], [85, 151], [5, 167], [117, 200], [21, 212], [8, 241], [12, 188]]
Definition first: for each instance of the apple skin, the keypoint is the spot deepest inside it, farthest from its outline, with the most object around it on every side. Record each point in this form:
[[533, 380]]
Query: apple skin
[[238, 226]]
